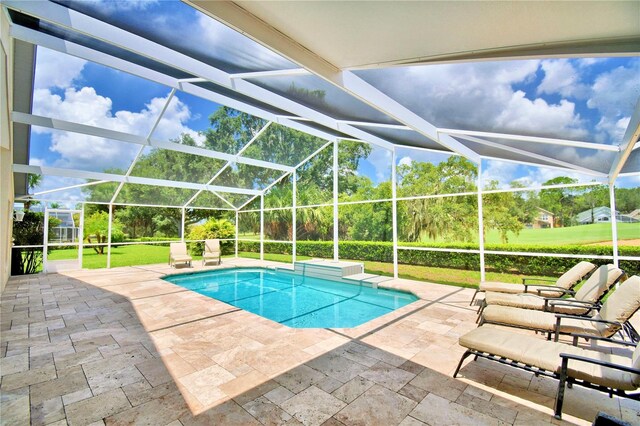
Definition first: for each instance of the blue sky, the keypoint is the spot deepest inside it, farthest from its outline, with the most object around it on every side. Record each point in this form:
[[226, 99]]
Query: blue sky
[[581, 99]]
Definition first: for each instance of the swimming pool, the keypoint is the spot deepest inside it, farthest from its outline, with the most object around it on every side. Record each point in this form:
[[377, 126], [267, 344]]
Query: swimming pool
[[294, 300]]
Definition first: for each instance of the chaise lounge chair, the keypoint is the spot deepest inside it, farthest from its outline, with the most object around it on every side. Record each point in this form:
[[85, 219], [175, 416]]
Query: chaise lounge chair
[[211, 252], [566, 281], [611, 318], [178, 254], [611, 373], [582, 302]]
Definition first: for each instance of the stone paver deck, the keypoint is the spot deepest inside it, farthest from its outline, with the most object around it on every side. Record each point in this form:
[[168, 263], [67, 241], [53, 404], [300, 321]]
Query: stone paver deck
[[122, 346]]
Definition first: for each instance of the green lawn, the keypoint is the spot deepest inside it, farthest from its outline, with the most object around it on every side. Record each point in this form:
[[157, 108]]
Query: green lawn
[[584, 234], [150, 254]]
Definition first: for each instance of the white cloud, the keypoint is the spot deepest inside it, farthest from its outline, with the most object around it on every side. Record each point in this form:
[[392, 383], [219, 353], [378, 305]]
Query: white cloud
[[405, 161], [381, 160], [561, 77], [55, 69], [529, 176], [479, 96], [111, 6], [234, 47], [614, 94], [537, 117], [87, 107]]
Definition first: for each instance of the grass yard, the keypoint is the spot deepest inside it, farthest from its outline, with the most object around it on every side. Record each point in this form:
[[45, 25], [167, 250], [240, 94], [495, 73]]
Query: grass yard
[[584, 234], [150, 254]]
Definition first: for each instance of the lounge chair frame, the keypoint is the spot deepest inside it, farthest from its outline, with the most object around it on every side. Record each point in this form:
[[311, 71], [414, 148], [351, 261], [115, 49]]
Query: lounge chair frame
[[205, 260], [621, 328], [172, 261], [563, 377], [526, 287]]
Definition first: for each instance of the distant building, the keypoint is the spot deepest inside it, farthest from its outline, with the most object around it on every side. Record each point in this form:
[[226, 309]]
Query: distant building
[[66, 231], [544, 219], [602, 214]]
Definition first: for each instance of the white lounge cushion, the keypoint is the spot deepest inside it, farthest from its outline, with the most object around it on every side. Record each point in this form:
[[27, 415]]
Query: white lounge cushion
[[566, 281], [531, 301], [539, 320]]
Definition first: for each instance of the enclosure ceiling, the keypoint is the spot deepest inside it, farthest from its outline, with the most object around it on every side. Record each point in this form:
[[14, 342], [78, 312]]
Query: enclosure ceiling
[[350, 70]]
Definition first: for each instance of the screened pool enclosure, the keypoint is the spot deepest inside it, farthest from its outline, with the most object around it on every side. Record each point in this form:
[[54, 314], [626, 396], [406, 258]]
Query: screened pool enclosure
[[485, 166]]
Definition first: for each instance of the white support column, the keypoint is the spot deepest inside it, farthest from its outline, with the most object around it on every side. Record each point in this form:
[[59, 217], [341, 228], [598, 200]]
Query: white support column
[[81, 237], [262, 227], [335, 200], [45, 239], [109, 236], [237, 228], [182, 225], [294, 218], [614, 223], [394, 211], [480, 222]]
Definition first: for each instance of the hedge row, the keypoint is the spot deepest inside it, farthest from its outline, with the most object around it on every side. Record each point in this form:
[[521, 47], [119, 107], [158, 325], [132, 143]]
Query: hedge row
[[528, 265]]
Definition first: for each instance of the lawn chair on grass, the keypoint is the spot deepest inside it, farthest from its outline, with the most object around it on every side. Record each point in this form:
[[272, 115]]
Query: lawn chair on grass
[[211, 252], [566, 281], [611, 373], [178, 254], [611, 318], [583, 301]]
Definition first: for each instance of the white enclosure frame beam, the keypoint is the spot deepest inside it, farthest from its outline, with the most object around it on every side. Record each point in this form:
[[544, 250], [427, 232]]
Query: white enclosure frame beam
[[614, 223], [82, 174], [236, 17], [533, 155], [109, 236], [480, 224], [184, 212], [237, 230], [148, 138], [394, 211], [55, 124], [66, 188], [336, 248], [67, 47], [300, 164], [629, 140], [261, 226], [274, 73], [294, 217], [78, 22], [81, 238], [228, 164], [533, 139]]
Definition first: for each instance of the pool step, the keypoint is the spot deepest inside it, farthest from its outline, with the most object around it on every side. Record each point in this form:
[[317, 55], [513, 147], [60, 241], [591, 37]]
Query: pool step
[[372, 279], [330, 269]]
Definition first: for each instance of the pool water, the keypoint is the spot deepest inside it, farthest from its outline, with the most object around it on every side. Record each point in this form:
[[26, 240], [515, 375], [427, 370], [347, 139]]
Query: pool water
[[294, 300]]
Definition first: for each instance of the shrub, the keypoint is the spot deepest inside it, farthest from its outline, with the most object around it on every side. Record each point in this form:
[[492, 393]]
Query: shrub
[[212, 228], [528, 265]]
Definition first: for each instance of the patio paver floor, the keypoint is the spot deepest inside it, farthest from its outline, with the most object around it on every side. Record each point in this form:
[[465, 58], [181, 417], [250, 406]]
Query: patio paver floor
[[122, 346]]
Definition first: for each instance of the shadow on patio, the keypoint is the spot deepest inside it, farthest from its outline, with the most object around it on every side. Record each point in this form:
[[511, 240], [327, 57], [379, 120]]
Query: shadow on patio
[[123, 346]]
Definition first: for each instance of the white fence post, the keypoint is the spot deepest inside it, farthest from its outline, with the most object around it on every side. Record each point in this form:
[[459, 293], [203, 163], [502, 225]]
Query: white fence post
[[394, 211], [480, 223]]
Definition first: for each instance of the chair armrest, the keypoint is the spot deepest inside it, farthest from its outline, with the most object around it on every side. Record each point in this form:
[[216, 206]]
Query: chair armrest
[[559, 316], [590, 307], [604, 339], [567, 302], [599, 362], [554, 289]]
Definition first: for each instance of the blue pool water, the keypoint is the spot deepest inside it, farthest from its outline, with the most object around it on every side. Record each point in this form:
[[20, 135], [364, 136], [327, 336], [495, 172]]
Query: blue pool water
[[293, 300]]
